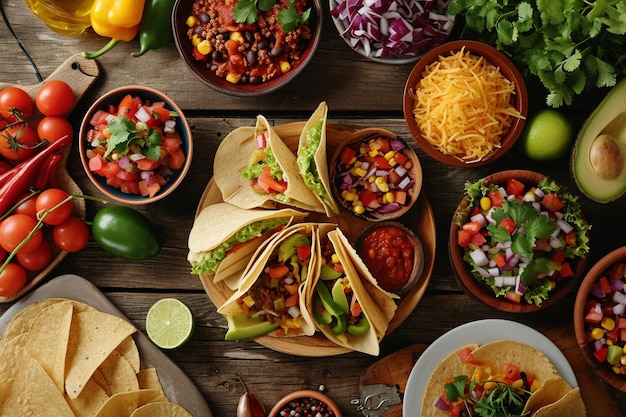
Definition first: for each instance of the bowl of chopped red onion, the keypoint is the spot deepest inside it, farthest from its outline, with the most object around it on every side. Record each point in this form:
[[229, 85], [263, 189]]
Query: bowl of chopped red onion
[[392, 31], [375, 175], [135, 145]]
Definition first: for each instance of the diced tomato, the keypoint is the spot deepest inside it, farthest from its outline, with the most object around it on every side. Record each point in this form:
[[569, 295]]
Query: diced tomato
[[466, 356], [177, 159], [172, 141], [566, 270], [594, 315], [513, 296], [278, 271], [198, 56], [367, 197], [463, 238], [147, 164], [613, 335], [261, 140], [292, 288], [514, 187], [552, 202], [292, 300], [496, 198], [111, 169], [500, 259], [478, 239], [400, 158], [347, 154], [570, 238], [507, 224], [127, 107], [160, 113], [129, 187], [382, 145], [381, 162], [604, 284], [100, 117], [148, 190], [558, 256], [472, 227], [127, 176], [96, 163], [600, 354], [268, 183], [303, 252], [512, 372], [400, 197], [355, 310]]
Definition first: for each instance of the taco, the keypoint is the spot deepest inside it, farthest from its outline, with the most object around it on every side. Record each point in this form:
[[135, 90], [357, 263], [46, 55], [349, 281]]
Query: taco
[[254, 168], [269, 299], [312, 159], [516, 376], [342, 309], [224, 237]]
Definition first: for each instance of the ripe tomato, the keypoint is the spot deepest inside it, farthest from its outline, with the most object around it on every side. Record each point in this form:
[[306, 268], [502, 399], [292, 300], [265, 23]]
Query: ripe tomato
[[15, 104], [51, 198], [53, 128], [12, 279], [36, 259], [15, 228], [72, 235], [27, 206], [18, 142], [55, 98]]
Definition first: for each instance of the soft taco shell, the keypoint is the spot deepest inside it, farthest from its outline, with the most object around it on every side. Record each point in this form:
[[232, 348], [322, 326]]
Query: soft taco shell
[[257, 265], [320, 160], [221, 221], [570, 405], [549, 392]]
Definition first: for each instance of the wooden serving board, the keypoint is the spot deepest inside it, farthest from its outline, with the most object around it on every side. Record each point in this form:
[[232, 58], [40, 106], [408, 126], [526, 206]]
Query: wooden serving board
[[420, 219], [394, 369], [80, 73]]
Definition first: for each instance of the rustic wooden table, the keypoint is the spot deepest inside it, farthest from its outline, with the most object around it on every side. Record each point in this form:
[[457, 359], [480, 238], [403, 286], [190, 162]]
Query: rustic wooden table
[[359, 93]]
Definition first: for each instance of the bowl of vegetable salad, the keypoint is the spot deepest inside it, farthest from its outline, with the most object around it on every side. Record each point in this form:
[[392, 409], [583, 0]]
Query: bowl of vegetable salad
[[518, 241], [600, 318], [135, 145]]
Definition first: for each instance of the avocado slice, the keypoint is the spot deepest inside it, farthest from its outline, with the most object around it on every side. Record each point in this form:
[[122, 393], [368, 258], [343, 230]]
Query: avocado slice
[[328, 273], [598, 157], [327, 300], [241, 326], [321, 315], [360, 327], [339, 324], [288, 247], [339, 296]]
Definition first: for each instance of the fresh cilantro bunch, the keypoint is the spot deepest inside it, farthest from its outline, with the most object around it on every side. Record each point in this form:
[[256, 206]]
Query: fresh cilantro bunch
[[247, 11], [124, 132], [570, 45]]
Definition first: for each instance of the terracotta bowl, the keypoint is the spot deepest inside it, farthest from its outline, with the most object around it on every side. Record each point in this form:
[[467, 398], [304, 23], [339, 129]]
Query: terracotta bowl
[[581, 328], [297, 396], [114, 97], [507, 69], [337, 171], [479, 290], [183, 9], [418, 256]]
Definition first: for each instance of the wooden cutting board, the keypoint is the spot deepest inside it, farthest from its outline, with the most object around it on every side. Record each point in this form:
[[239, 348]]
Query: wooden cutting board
[[80, 73], [395, 368]]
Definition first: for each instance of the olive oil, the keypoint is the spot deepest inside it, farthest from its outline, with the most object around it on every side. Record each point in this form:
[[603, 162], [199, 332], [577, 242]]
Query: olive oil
[[65, 17]]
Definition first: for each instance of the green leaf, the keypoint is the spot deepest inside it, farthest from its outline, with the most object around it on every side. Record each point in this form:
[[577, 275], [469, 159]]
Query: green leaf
[[290, 19], [506, 32], [266, 5], [122, 132], [456, 389], [245, 12]]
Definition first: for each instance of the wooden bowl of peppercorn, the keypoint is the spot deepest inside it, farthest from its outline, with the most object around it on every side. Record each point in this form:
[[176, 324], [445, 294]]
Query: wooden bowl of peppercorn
[[234, 56], [297, 401]]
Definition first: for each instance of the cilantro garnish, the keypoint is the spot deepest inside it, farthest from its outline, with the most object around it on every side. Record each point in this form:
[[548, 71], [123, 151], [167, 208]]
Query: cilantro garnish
[[247, 11], [570, 46], [124, 132]]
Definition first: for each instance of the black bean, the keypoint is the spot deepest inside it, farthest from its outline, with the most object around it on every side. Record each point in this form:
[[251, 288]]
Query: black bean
[[217, 56], [204, 18], [264, 44], [251, 58], [277, 51], [248, 35], [256, 79], [244, 79]]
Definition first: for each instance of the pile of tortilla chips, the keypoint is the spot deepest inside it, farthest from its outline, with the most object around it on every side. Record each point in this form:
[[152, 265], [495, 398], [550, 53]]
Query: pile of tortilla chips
[[62, 357], [551, 395]]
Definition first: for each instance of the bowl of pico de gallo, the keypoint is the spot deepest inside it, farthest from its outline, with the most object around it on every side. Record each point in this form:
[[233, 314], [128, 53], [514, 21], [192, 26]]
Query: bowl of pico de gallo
[[135, 145], [518, 241]]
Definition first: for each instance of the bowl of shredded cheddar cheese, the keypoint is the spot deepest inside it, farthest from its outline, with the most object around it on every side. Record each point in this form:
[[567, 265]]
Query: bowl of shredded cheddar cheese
[[465, 103]]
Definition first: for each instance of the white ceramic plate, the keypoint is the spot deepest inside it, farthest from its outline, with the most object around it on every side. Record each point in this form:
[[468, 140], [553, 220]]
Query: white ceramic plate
[[176, 384], [479, 332]]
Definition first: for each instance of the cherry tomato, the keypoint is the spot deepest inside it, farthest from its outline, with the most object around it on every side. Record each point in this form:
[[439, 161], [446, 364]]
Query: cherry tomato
[[12, 279], [36, 259], [52, 128], [18, 142], [15, 104], [15, 228], [49, 199], [72, 235], [27, 206], [55, 98]]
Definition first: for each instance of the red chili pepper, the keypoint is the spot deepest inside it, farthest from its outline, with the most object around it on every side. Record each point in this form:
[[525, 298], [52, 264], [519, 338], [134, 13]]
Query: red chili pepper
[[47, 177], [26, 174]]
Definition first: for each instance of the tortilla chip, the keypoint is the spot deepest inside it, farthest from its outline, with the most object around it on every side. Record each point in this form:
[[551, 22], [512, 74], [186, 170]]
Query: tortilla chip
[[47, 339], [87, 349], [119, 373], [570, 405], [91, 398], [149, 379], [319, 167], [123, 404], [161, 409], [549, 392]]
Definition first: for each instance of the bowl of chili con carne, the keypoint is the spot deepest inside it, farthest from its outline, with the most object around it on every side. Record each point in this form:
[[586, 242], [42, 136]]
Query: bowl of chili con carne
[[237, 49], [393, 254], [304, 403]]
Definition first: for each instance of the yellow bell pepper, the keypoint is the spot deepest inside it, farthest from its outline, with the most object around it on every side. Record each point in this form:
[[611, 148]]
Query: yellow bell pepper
[[116, 19]]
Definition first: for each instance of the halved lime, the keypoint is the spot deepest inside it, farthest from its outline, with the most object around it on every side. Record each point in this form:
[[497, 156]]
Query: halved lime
[[169, 323]]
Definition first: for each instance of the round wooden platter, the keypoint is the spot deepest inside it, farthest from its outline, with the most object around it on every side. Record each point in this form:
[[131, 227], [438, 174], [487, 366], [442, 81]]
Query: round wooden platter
[[420, 219], [80, 73]]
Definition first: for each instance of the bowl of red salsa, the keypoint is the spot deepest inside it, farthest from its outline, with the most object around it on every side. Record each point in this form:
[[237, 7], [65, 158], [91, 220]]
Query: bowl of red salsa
[[600, 318], [393, 254], [135, 145], [237, 48]]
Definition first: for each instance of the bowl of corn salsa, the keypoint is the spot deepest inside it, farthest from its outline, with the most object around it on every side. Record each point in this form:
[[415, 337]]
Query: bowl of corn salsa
[[600, 318], [237, 48], [465, 103]]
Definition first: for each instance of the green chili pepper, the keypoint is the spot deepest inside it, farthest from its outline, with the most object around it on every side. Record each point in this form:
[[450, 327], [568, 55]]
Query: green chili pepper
[[156, 25], [125, 233]]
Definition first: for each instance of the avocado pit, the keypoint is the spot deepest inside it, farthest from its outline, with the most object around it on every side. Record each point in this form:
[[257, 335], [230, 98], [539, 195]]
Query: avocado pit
[[606, 157]]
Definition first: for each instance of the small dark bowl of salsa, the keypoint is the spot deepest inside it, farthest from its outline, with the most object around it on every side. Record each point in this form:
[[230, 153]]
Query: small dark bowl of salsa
[[393, 254]]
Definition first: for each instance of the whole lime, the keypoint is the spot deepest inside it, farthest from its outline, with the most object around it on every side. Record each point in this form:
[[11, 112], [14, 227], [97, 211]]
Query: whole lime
[[548, 135]]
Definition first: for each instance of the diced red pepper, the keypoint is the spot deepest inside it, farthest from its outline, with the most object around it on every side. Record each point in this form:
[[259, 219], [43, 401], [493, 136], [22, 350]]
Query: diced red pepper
[[381, 162], [472, 227], [570, 238], [600, 354], [400, 158], [303, 252], [347, 154], [478, 239], [512, 372], [604, 284], [507, 224], [500, 259], [463, 238], [514, 187], [566, 270], [552, 202], [594, 315], [278, 271], [496, 198]]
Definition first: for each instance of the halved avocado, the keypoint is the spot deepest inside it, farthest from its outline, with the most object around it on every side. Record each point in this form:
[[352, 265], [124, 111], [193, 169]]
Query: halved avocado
[[598, 159], [240, 326]]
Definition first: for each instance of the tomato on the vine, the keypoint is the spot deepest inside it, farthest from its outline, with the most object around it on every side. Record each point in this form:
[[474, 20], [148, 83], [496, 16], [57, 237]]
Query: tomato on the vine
[[53, 128], [49, 199], [72, 235], [27, 206], [18, 142], [37, 259], [12, 279], [15, 104], [15, 228], [55, 98]]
